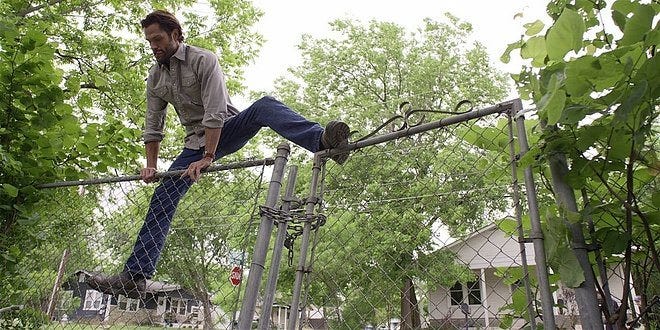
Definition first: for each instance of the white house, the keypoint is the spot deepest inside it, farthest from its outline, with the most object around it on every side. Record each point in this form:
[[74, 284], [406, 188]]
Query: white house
[[483, 252]]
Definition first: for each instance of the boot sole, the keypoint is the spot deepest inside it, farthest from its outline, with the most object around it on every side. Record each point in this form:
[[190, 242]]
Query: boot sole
[[337, 136]]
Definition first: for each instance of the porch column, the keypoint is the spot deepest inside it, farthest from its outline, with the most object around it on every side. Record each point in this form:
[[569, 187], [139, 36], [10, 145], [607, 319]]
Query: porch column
[[484, 299]]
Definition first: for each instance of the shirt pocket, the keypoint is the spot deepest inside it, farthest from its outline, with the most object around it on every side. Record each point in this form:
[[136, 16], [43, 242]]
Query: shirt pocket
[[191, 88], [160, 91]]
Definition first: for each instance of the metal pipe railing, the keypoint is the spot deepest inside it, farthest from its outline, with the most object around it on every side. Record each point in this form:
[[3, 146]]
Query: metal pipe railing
[[168, 174]]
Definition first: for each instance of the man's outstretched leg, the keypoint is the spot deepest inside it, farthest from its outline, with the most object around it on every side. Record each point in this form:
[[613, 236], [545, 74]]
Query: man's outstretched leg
[[269, 112], [141, 265]]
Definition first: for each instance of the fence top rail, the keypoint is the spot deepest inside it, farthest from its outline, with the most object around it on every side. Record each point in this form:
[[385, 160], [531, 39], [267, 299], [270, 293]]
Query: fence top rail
[[410, 130], [212, 168]]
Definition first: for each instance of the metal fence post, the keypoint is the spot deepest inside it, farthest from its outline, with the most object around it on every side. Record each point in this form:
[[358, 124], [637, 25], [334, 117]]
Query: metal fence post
[[518, 212], [585, 294], [263, 238], [304, 245], [271, 284], [547, 301]]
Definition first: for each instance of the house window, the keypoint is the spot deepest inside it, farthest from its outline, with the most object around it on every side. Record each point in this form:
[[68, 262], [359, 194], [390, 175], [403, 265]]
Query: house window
[[471, 290], [128, 304], [93, 300], [194, 313], [179, 306], [474, 293], [456, 294]]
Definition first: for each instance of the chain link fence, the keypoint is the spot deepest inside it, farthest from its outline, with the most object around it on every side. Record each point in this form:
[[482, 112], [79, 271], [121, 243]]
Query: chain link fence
[[426, 226], [422, 234], [90, 228]]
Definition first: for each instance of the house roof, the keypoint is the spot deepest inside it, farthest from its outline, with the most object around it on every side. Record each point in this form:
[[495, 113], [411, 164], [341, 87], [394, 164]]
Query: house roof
[[473, 234], [490, 247], [151, 286]]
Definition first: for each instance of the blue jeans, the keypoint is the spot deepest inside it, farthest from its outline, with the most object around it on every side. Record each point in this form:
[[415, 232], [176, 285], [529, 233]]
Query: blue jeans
[[237, 131]]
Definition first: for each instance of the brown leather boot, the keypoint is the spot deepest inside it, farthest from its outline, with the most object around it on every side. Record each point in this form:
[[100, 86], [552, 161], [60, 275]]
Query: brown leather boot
[[124, 283], [334, 136]]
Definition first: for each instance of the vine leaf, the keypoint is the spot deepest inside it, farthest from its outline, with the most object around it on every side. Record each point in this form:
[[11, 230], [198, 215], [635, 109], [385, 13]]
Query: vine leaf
[[565, 35], [638, 25], [553, 101]]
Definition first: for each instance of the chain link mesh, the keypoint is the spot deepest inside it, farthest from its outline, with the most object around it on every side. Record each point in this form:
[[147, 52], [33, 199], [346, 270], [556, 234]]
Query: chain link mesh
[[420, 232], [414, 232], [92, 229]]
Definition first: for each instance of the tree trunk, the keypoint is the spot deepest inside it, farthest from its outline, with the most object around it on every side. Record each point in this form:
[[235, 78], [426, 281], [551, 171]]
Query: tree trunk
[[585, 294], [208, 315], [409, 308]]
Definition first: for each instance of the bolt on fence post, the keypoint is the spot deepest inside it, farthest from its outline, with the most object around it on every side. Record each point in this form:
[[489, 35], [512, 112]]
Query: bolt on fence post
[[263, 238], [547, 301], [585, 294], [304, 245], [518, 212], [271, 284]]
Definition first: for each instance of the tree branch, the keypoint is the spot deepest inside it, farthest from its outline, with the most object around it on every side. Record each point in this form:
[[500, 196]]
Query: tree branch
[[32, 9]]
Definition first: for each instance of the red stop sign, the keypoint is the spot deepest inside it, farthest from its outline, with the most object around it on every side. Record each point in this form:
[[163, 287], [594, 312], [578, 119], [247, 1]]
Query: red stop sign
[[236, 275]]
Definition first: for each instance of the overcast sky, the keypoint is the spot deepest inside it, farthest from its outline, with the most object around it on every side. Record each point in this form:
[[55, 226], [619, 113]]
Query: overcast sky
[[285, 21]]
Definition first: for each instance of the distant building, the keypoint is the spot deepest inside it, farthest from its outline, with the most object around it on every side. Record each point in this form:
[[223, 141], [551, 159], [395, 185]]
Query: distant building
[[164, 304], [479, 304]]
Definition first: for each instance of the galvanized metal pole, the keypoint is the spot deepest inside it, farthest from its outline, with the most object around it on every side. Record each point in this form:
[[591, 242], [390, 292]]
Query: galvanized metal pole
[[444, 122], [547, 301], [168, 174], [271, 284], [585, 294], [263, 238], [304, 245], [521, 235]]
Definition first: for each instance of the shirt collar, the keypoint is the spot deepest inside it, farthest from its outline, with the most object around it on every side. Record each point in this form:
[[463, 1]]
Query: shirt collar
[[180, 54]]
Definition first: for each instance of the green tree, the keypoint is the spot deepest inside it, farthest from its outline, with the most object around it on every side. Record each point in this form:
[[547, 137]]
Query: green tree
[[596, 89], [71, 79], [379, 240]]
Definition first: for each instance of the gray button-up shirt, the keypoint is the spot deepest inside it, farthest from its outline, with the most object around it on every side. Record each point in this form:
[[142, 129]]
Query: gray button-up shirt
[[195, 85]]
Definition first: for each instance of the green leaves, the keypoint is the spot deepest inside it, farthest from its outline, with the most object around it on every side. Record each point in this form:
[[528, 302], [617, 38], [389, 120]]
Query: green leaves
[[638, 25], [565, 35], [560, 255], [535, 48], [10, 190], [534, 28], [633, 100], [552, 103], [600, 107]]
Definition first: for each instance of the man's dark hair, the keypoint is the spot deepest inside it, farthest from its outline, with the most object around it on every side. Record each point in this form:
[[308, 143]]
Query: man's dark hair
[[166, 20]]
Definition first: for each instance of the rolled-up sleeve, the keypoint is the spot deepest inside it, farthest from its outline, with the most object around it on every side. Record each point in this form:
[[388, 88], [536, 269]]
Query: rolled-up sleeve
[[156, 113], [213, 92]]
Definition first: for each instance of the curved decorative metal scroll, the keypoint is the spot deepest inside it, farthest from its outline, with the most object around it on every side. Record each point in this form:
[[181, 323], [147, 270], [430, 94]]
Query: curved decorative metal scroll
[[406, 108]]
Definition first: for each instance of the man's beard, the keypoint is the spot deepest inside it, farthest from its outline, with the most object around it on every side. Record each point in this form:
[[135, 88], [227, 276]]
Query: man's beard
[[168, 53], [166, 57]]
